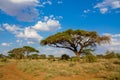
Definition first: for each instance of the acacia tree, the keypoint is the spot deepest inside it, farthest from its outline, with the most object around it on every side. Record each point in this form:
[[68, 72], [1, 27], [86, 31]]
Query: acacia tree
[[78, 41], [16, 53], [27, 50], [20, 52]]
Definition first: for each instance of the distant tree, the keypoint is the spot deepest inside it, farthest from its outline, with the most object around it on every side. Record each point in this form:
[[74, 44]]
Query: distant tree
[[43, 56], [27, 50], [77, 41], [110, 54], [65, 57], [17, 53]]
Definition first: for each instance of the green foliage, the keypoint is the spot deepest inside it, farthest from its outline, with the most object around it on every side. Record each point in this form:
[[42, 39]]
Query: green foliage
[[89, 58], [43, 56], [74, 59], [34, 56], [11, 55], [27, 50], [19, 53], [78, 41], [65, 57]]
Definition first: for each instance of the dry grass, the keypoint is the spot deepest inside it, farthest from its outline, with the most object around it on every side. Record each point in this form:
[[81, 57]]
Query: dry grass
[[103, 68]]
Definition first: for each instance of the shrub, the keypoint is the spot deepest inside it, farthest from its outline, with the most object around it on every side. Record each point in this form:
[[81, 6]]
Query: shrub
[[89, 58], [74, 58], [65, 57]]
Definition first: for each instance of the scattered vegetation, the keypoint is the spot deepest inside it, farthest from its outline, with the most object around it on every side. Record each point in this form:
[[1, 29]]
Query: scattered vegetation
[[103, 68]]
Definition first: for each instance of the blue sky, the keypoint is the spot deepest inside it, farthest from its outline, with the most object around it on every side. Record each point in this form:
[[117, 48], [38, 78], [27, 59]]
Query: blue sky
[[26, 22]]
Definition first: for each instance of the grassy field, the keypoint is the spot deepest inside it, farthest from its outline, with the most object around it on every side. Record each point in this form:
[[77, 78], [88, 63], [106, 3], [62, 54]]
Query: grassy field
[[102, 69]]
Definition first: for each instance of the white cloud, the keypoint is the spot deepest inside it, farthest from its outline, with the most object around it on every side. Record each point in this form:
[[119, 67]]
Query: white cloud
[[49, 24], [11, 28], [29, 34], [107, 5], [115, 42], [26, 33], [23, 10], [5, 44]]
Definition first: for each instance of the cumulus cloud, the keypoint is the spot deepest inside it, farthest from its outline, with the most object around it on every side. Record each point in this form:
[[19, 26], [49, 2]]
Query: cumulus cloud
[[29, 34], [115, 42], [107, 5], [32, 33], [49, 24], [23, 10], [11, 28], [5, 44], [26, 33]]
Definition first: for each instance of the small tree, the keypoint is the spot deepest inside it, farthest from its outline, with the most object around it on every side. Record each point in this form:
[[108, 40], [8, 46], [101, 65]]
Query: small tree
[[27, 50], [19, 53], [16, 53], [75, 40]]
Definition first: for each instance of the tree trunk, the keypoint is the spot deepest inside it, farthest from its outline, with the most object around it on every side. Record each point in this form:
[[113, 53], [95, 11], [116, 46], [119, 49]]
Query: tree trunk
[[78, 56]]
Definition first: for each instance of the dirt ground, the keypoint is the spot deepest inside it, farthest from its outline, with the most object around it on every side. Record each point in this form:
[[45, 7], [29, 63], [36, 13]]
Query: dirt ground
[[11, 72]]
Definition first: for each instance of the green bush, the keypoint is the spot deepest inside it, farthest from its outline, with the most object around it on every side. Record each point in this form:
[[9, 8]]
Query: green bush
[[65, 57], [74, 59], [89, 58]]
